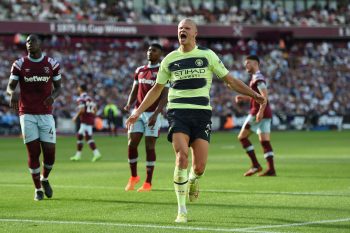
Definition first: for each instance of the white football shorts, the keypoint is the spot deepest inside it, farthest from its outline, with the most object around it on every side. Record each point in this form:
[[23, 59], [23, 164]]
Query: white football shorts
[[40, 127], [85, 129], [264, 126], [141, 126]]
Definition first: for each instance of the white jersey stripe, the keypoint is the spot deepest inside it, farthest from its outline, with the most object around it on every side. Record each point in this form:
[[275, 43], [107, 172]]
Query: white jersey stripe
[[18, 67], [55, 66], [14, 77], [58, 77]]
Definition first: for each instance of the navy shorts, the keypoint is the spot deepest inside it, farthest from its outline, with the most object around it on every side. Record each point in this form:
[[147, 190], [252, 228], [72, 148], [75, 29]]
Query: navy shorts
[[196, 123]]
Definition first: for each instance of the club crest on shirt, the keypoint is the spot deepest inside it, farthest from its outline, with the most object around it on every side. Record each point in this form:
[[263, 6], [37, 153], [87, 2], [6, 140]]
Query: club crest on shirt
[[199, 62], [27, 70], [46, 69]]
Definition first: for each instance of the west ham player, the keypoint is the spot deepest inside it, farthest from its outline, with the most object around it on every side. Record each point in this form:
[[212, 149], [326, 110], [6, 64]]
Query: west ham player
[[190, 70], [258, 121], [39, 80], [86, 113], [149, 121]]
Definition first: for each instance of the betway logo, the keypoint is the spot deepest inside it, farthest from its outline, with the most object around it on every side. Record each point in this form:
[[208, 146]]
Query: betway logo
[[37, 79], [147, 81]]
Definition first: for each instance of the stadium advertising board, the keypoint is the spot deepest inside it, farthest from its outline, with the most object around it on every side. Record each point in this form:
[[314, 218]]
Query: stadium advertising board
[[108, 29]]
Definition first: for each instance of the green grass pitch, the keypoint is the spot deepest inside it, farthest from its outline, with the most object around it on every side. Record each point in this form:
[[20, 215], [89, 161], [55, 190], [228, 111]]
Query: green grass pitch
[[310, 194]]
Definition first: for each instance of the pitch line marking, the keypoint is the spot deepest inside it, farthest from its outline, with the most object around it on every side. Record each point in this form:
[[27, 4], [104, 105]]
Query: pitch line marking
[[297, 224], [248, 229], [132, 225], [203, 190]]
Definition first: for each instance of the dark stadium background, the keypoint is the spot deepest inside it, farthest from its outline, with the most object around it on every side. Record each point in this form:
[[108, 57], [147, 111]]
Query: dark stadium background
[[304, 47]]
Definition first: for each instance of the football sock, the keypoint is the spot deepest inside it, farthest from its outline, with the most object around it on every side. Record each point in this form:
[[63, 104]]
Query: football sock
[[91, 142], [46, 170], [42, 178], [150, 161], [193, 176], [49, 159], [132, 159], [268, 154], [36, 177], [149, 171], [34, 150], [180, 185], [247, 145], [80, 142]]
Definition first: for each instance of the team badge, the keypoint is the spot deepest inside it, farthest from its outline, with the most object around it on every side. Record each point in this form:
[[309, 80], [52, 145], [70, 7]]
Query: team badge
[[46, 69], [199, 62], [27, 70]]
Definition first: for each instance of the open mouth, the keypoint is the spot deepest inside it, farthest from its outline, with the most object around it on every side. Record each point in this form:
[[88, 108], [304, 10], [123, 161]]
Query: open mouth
[[183, 36]]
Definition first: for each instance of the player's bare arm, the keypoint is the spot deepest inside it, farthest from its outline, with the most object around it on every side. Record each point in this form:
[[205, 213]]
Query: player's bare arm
[[162, 102], [11, 91], [242, 98], [55, 93], [80, 112], [150, 98], [260, 114], [132, 97], [241, 87]]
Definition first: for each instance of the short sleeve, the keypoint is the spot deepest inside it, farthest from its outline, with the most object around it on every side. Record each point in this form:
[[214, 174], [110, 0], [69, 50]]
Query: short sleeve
[[81, 103], [217, 66], [261, 85], [136, 74], [16, 70], [163, 74], [56, 73]]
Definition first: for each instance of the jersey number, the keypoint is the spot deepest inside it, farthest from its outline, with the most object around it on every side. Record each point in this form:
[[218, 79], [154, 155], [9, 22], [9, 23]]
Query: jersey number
[[90, 107]]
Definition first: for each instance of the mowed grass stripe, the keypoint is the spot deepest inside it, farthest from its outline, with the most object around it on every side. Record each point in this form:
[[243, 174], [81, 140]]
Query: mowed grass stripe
[[132, 225], [335, 194], [247, 229]]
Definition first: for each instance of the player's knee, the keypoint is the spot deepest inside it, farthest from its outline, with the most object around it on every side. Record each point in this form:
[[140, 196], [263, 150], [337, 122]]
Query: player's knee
[[150, 146], [132, 144], [199, 169]]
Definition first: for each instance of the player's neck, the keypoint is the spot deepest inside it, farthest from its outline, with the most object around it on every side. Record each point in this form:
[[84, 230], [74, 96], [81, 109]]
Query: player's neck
[[36, 55], [153, 63], [187, 48]]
